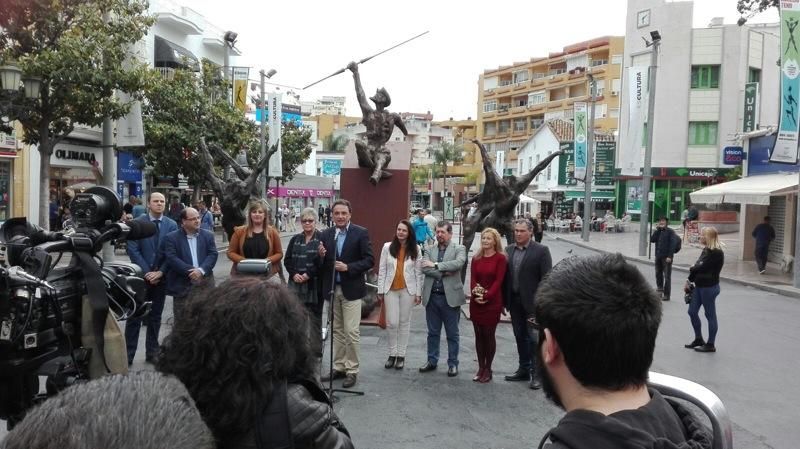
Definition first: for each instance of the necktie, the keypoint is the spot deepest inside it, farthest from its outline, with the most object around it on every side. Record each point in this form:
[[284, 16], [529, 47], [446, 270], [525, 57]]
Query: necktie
[[158, 228]]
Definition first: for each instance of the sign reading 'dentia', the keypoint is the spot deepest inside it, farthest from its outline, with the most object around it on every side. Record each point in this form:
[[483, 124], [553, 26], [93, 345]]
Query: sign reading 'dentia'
[[75, 155]]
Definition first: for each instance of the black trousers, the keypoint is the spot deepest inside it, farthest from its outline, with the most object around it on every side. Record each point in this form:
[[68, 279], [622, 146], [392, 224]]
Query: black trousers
[[664, 275], [527, 340]]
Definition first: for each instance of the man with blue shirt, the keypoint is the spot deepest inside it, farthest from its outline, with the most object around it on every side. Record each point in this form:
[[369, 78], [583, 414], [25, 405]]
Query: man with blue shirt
[[206, 217], [147, 254], [190, 254], [422, 232]]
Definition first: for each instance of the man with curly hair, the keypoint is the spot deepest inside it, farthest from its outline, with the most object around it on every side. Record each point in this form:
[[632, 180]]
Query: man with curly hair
[[243, 351]]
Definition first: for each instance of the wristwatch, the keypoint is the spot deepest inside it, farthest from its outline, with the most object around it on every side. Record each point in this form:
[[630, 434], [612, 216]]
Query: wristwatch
[[436, 266]]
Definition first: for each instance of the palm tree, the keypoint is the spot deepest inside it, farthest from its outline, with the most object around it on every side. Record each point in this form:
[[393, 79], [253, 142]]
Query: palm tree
[[442, 156], [335, 144]]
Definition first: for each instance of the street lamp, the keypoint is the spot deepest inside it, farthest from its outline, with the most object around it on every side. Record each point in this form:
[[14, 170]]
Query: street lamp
[[11, 77], [647, 176]]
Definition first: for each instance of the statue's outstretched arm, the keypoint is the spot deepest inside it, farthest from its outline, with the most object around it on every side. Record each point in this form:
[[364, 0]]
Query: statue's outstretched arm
[[362, 97], [525, 180], [262, 165], [230, 161], [493, 181], [398, 122]]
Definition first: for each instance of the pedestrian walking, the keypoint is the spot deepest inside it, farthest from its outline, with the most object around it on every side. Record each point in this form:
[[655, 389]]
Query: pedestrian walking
[[327, 216], [764, 234], [667, 244], [443, 296], [487, 271], [703, 283], [528, 264], [421, 230], [400, 282]]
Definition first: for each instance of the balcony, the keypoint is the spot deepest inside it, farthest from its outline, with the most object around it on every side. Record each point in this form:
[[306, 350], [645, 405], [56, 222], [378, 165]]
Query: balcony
[[182, 19], [168, 73], [598, 62]]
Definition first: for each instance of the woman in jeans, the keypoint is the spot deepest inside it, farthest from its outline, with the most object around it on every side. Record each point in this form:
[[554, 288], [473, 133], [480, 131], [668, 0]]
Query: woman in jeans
[[400, 288], [705, 276]]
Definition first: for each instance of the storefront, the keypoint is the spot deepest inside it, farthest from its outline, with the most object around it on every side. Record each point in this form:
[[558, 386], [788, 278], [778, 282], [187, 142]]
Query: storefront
[[6, 169], [300, 198], [671, 186], [71, 168]]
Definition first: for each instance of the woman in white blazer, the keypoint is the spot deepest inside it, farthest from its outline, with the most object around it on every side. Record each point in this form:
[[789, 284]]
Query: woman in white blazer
[[400, 289]]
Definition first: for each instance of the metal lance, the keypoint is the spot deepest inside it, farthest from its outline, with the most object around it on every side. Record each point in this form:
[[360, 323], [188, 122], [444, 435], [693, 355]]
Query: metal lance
[[367, 59]]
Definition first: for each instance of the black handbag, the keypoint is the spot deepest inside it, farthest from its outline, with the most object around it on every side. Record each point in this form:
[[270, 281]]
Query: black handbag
[[688, 292]]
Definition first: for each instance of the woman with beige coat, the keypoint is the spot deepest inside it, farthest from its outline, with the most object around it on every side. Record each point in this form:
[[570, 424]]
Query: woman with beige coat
[[400, 283]]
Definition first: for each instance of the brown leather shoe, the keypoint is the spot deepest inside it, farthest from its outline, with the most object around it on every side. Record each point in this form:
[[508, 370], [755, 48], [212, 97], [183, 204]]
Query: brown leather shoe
[[350, 380], [336, 375]]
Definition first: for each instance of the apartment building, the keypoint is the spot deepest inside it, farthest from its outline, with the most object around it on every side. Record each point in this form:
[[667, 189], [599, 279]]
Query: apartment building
[[515, 100], [699, 97], [333, 105]]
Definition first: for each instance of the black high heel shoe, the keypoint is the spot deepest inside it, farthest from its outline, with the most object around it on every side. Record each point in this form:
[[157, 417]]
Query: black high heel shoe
[[390, 363], [400, 363]]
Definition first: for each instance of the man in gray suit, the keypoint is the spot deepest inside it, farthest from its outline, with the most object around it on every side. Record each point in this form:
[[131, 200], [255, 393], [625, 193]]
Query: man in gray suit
[[443, 295], [528, 263]]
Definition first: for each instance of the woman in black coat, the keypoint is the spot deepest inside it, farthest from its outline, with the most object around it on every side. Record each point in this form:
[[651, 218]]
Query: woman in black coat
[[704, 279]]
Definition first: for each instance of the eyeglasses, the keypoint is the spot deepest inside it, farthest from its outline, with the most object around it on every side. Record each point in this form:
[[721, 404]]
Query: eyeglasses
[[307, 221]]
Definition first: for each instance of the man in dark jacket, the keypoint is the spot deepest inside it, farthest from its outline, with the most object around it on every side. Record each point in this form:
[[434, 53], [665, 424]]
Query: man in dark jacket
[[666, 242], [597, 319], [764, 234]]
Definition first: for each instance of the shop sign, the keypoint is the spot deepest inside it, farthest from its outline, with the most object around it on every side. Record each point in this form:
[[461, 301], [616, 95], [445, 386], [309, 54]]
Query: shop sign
[[566, 165], [76, 156], [301, 193], [732, 155], [604, 163]]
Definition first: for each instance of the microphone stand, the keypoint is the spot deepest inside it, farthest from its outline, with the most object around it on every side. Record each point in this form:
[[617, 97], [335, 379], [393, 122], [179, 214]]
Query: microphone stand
[[330, 390]]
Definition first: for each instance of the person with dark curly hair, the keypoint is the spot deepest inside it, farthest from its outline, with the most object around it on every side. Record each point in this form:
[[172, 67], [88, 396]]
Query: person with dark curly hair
[[243, 351]]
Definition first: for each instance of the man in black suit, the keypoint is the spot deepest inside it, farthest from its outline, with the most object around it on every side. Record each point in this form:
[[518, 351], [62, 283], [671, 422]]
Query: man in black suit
[[347, 251], [528, 263]]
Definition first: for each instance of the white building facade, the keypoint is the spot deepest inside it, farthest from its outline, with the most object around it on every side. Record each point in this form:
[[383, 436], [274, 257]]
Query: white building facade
[[699, 97]]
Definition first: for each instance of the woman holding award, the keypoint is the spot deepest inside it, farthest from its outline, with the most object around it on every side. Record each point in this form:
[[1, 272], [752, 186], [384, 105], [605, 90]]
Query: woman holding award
[[487, 270]]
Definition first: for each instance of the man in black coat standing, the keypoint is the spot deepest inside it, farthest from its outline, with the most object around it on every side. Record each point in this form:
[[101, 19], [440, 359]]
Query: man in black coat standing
[[347, 254], [528, 263], [666, 243]]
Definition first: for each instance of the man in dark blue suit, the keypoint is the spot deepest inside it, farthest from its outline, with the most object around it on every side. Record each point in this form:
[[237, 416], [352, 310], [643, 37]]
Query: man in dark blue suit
[[146, 253], [190, 254], [345, 249]]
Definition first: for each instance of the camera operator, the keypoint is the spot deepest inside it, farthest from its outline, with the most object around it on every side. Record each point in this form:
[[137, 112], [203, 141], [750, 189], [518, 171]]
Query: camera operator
[[141, 410], [148, 255]]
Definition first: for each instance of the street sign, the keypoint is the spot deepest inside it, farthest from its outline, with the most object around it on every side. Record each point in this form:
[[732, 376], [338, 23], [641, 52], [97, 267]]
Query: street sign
[[732, 155]]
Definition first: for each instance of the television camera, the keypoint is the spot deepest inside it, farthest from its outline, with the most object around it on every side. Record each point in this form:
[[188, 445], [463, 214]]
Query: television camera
[[54, 314]]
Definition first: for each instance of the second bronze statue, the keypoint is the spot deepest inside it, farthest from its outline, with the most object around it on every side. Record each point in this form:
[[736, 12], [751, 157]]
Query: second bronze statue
[[380, 124]]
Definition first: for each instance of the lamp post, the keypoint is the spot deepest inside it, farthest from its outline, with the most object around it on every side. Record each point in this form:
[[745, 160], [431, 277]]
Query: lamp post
[[647, 176], [587, 181]]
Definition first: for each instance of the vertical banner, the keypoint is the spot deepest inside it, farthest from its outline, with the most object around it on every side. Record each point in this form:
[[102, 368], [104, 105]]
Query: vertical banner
[[750, 120], [580, 140], [274, 126], [240, 75], [500, 163], [785, 151], [630, 156]]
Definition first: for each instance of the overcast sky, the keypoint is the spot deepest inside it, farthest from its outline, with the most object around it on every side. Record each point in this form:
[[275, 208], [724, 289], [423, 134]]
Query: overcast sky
[[305, 41]]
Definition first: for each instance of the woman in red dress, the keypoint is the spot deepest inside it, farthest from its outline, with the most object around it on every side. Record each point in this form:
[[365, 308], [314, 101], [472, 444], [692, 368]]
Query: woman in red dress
[[487, 271]]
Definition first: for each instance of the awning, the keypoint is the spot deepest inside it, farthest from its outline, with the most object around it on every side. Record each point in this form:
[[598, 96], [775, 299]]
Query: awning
[[749, 190], [170, 54], [600, 195], [523, 199]]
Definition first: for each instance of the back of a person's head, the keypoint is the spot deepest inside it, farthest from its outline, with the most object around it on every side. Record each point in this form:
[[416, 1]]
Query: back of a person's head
[[232, 344], [604, 316], [139, 410]]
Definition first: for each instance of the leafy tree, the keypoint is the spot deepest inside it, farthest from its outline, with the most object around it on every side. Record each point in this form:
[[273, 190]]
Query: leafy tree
[[444, 155], [182, 109], [749, 8], [79, 57], [334, 144], [295, 149]]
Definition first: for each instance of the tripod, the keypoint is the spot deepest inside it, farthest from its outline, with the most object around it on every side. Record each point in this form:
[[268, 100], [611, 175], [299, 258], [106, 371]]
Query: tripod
[[330, 390]]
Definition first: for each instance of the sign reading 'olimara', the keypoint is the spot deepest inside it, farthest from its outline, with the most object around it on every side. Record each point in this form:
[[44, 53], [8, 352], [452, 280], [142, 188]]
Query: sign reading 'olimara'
[[75, 155]]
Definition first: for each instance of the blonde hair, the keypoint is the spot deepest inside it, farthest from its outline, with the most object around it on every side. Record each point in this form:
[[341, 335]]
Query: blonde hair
[[712, 238], [498, 243], [256, 205]]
